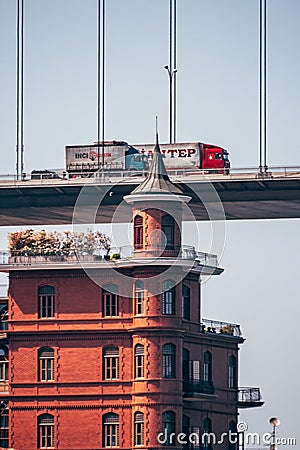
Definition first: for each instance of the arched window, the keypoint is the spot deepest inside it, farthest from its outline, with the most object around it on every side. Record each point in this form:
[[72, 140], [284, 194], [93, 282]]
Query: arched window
[[207, 437], [46, 431], [110, 430], [139, 361], [168, 297], [110, 301], [46, 364], [167, 226], [169, 361], [139, 297], [207, 367], [138, 232], [169, 427], [138, 428], [4, 424], [232, 436], [3, 364], [110, 363], [186, 298], [232, 381], [46, 295]]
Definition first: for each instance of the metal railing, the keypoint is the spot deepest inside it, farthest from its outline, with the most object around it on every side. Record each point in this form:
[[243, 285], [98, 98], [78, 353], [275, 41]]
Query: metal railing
[[217, 327], [62, 176], [185, 252], [193, 386], [249, 395]]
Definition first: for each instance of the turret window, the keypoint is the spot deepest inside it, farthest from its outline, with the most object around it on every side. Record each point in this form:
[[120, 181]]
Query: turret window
[[169, 361], [138, 232], [138, 429], [207, 367], [139, 297], [168, 297], [186, 298], [168, 427], [167, 226], [232, 382], [139, 361], [207, 429]]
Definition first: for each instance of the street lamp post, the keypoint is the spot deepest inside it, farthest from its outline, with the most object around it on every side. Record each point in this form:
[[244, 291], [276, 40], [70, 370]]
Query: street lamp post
[[275, 422], [171, 74]]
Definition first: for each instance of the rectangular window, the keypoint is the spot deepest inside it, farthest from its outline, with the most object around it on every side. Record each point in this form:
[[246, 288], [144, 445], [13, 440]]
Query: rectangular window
[[4, 426], [46, 369], [139, 433], [111, 435], [139, 366], [168, 303], [139, 302], [110, 305], [46, 436], [46, 306], [111, 367]]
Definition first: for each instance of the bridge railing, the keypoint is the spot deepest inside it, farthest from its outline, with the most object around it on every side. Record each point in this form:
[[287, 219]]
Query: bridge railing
[[102, 176]]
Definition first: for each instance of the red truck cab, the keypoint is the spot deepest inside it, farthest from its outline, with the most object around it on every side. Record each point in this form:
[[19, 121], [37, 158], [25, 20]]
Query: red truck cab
[[216, 159]]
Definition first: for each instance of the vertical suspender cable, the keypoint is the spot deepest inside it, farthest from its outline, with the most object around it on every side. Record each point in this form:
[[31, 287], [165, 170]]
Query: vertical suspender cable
[[265, 86], [18, 87], [101, 82], [103, 79], [171, 70], [98, 80], [260, 86], [22, 91], [175, 73]]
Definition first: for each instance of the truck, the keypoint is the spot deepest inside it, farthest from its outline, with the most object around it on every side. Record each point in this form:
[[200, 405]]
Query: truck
[[190, 156], [82, 160]]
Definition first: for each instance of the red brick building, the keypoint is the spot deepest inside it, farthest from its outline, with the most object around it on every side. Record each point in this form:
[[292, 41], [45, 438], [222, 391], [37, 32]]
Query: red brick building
[[114, 363]]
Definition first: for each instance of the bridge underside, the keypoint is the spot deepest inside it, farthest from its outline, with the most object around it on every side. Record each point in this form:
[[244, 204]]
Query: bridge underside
[[52, 203]]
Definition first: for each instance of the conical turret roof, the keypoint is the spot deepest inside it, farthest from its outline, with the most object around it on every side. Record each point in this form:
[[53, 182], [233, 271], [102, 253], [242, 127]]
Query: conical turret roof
[[157, 180]]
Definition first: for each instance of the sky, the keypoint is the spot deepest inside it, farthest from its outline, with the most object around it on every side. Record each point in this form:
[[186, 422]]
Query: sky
[[217, 96]]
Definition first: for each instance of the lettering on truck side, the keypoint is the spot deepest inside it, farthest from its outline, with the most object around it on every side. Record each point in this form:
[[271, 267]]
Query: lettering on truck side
[[181, 152]]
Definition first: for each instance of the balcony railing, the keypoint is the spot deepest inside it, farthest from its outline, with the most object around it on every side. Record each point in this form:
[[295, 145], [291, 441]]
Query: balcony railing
[[194, 386], [249, 395], [185, 252], [224, 328]]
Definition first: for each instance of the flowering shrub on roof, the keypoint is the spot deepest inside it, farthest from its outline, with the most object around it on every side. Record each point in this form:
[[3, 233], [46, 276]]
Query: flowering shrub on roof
[[67, 243]]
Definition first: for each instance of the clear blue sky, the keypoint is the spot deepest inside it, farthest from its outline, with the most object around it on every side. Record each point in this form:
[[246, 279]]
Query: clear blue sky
[[217, 103]]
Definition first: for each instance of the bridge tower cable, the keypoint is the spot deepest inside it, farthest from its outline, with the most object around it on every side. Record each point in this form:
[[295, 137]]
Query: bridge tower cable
[[260, 85], [17, 89], [265, 86], [101, 80], [20, 90]]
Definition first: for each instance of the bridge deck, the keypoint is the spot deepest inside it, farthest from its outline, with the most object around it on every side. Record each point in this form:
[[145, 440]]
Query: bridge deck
[[244, 196]]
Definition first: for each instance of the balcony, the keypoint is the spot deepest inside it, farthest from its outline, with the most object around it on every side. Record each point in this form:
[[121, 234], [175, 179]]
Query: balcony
[[249, 397], [116, 255], [193, 386], [221, 328]]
